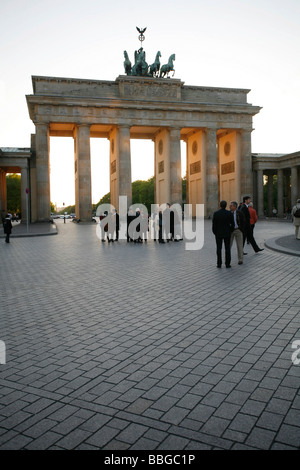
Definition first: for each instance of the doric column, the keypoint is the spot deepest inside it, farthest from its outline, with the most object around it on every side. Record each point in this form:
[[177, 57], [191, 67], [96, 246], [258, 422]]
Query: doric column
[[246, 164], [42, 172], [83, 185], [270, 193], [124, 166], [3, 194], [175, 166], [260, 193], [24, 196], [294, 185], [212, 192], [280, 207]]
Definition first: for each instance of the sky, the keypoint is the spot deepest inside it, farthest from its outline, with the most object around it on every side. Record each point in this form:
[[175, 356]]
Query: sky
[[251, 44]]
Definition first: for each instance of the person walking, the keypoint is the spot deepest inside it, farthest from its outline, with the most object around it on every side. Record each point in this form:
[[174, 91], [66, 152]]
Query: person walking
[[296, 219], [116, 222], [238, 230], [248, 232], [222, 227], [253, 218], [7, 227]]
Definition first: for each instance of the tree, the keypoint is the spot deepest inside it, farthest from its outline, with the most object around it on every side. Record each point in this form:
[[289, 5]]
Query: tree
[[13, 185], [142, 193]]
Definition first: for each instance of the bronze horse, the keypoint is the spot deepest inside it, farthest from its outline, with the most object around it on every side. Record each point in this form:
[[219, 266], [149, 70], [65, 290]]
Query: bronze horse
[[167, 68]]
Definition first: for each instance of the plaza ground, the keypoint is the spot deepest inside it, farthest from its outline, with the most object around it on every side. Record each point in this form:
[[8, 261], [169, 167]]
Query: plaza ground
[[127, 347]]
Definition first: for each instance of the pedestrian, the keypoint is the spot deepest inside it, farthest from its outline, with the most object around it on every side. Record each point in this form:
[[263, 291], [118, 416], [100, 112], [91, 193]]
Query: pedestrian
[[103, 225], [248, 232], [238, 230], [296, 219], [154, 225], [110, 229], [144, 226], [116, 222], [160, 227], [253, 218], [222, 227], [137, 234], [7, 227], [177, 226], [167, 223]]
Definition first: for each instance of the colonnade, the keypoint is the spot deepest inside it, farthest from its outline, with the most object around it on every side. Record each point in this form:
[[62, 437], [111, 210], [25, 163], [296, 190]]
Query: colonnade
[[280, 172], [218, 166], [15, 160]]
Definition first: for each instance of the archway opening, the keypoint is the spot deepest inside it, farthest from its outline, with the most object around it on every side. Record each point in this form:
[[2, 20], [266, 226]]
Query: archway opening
[[99, 148], [142, 171], [62, 180]]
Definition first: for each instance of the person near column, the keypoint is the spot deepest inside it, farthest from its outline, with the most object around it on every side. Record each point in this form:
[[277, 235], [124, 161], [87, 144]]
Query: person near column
[[296, 219], [167, 223], [248, 233], [116, 224], [153, 225], [238, 231], [253, 218], [103, 226], [160, 227], [222, 227], [7, 226]]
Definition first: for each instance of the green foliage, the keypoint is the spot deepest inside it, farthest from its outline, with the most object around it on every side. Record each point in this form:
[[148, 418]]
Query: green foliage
[[13, 184], [67, 209], [142, 193]]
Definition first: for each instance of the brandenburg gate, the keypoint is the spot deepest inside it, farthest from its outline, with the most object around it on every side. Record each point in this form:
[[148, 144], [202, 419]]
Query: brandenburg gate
[[215, 123]]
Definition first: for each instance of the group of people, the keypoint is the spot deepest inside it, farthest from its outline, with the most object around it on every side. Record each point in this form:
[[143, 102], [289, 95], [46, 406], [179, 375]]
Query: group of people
[[234, 224], [163, 226]]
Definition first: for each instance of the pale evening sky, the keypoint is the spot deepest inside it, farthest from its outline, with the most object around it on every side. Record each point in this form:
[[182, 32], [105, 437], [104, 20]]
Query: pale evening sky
[[252, 44]]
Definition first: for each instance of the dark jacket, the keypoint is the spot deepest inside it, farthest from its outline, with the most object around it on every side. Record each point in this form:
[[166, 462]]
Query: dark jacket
[[245, 211], [222, 223], [240, 220], [7, 225]]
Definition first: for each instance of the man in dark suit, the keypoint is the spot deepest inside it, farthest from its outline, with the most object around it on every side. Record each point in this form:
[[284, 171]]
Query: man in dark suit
[[222, 227], [248, 233]]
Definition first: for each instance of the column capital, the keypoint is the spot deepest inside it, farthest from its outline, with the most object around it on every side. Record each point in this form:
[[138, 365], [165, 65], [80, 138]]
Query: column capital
[[41, 124], [211, 130]]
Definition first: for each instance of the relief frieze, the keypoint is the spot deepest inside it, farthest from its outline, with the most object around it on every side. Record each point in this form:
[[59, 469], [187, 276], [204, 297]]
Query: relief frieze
[[149, 91]]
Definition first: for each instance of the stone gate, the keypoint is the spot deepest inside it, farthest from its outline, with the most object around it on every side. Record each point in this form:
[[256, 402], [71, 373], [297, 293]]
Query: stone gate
[[215, 123]]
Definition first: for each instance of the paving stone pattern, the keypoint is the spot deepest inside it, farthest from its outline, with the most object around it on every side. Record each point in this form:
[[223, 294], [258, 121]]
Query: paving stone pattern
[[122, 346]]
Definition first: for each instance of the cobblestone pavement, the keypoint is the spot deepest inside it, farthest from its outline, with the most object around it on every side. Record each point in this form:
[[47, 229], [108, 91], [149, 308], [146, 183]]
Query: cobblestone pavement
[[121, 346]]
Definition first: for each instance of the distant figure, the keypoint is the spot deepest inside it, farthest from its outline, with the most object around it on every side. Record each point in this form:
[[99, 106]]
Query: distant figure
[[103, 227], [222, 227], [160, 227], [7, 226], [296, 219], [116, 222]]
